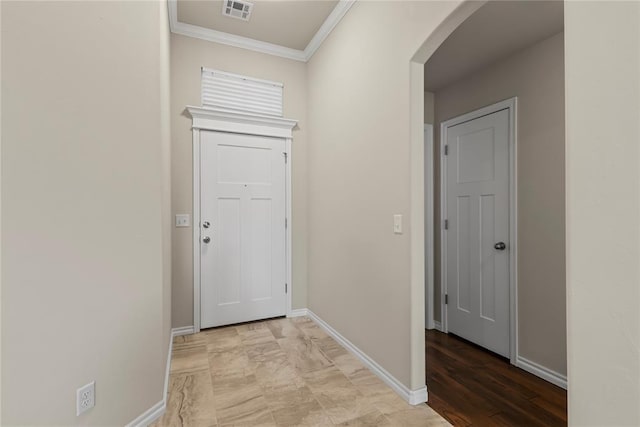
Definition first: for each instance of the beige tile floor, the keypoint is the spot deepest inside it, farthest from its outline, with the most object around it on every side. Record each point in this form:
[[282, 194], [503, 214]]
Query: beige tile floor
[[279, 372]]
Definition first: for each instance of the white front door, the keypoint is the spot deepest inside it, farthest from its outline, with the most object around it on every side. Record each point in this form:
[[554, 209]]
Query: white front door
[[477, 238], [242, 233]]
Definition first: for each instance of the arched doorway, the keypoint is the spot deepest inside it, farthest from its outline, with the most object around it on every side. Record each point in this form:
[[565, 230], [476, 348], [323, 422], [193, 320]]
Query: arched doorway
[[461, 18], [416, 82]]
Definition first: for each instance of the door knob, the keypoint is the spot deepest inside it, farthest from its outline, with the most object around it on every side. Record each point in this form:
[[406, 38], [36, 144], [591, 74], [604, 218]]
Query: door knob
[[206, 224], [500, 246], [206, 239]]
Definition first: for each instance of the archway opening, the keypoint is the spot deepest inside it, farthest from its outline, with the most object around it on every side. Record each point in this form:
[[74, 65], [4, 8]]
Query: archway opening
[[482, 56]]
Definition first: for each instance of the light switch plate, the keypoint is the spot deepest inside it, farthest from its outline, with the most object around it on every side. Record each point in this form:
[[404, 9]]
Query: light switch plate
[[183, 220], [397, 224]]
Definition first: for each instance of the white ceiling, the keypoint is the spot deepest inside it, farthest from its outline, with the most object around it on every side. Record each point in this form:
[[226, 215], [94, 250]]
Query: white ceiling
[[291, 24], [497, 30]]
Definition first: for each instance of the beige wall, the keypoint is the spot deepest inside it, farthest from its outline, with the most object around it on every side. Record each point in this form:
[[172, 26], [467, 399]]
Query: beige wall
[[82, 213], [359, 176], [536, 76], [603, 211], [188, 55], [429, 107]]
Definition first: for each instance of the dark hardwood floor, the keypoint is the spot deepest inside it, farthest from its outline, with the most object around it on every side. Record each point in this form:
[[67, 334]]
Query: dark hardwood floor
[[470, 386]]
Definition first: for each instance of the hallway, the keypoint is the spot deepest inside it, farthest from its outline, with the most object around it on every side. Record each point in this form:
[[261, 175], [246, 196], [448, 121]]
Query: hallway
[[472, 386], [279, 372]]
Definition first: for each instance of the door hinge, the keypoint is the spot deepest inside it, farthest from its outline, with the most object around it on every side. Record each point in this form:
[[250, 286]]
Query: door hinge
[[446, 299], [286, 223], [286, 288], [286, 157], [446, 224], [446, 149]]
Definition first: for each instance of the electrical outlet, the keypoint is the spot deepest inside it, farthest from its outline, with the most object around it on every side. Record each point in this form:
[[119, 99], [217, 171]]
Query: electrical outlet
[[85, 397], [182, 220]]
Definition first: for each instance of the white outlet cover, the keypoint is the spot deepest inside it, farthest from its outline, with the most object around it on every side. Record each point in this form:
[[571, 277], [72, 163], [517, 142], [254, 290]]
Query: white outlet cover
[[183, 220], [85, 397]]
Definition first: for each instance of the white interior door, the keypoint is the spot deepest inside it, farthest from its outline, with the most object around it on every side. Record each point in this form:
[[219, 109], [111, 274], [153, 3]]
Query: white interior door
[[477, 238], [242, 237]]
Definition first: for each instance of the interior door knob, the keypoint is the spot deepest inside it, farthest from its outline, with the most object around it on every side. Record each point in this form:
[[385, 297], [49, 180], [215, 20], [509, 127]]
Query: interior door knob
[[500, 246], [206, 239]]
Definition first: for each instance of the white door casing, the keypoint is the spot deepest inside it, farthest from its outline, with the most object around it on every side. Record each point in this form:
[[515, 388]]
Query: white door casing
[[234, 122], [478, 204], [428, 228], [242, 211]]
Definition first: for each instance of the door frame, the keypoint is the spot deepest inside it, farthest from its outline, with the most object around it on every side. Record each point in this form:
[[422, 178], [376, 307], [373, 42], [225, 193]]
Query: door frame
[[223, 120], [510, 105], [429, 229]]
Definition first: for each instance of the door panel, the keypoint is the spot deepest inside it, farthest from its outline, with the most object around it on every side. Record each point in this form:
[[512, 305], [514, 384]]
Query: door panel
[[476, 156], [463, 249], [477, 200], [229, 247], [260, 244], [243, 199], [487, 258]]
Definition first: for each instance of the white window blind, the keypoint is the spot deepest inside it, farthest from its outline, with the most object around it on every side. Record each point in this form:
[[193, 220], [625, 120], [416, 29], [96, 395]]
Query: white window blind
[[241, 93]]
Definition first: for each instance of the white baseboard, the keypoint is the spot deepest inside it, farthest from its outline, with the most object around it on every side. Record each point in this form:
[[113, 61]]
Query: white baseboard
[[437, 325], [150, 415], [184, 330], [542, 372], [413, 397], [299, 312], [157, 410], [168, 369]]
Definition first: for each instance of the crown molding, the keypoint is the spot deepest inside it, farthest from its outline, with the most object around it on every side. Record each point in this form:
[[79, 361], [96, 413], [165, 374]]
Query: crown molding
[[327, 26], [224, 120], [202, 33]]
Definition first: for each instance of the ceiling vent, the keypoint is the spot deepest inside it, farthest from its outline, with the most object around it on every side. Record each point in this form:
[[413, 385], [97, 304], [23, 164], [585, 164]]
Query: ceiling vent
[[237, 9]]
